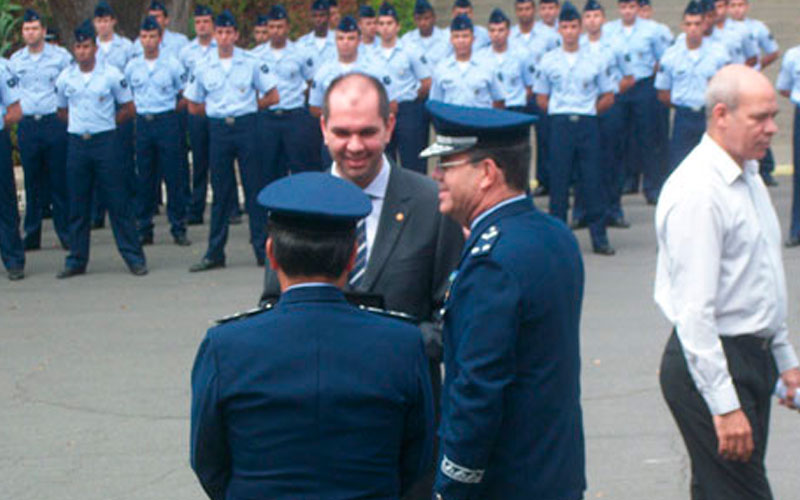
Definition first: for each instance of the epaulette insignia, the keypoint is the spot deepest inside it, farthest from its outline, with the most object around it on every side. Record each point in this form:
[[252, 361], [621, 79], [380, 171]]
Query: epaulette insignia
[[486, 241], [245, 314]]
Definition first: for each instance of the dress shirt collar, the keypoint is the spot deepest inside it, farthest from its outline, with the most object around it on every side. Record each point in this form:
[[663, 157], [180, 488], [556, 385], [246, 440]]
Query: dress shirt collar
[[310, 284], [377, 188], [495, 208], [722, 161]]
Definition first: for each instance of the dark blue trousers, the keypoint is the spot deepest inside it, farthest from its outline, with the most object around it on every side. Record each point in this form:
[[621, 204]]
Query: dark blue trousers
[[283, 143], [410, 136], [98, 159], [638, 109], [575, 142], [611, 152], [687, 130], [767, 164], [198, 137], [158, 151], [10, 242], [43, 151], [229, 142], [794, 229], [542, 154], [126, 151]]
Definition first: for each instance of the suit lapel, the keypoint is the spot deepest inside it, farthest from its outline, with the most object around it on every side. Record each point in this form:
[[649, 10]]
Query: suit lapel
[[394, 214]]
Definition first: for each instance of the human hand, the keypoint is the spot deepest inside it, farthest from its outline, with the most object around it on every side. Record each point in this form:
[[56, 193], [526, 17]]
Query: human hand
[[734, 436], [791, 379]]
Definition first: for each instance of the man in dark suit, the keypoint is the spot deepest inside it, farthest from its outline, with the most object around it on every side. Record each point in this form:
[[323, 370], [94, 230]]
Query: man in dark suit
[[511, 416], [285, 404], [408, 249]]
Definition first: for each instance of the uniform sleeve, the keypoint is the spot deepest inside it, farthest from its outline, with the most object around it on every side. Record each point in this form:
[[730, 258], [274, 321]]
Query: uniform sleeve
[[542, 82], [664, 75], [782, 350], [528, 69], [307, 68], [417, 451], [61, 87], [316, 93], [419, 65], [119, 86], [785, 76], [9, 88], [210, 454], [604, 82], [765, 40], [496, 88], [484, 360], [180, 75], [263, 77], [194, 90], [749, 46], [659, 45]]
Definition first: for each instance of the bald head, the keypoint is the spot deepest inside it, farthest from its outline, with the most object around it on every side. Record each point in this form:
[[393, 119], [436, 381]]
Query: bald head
[[356, 89], [741, 106]]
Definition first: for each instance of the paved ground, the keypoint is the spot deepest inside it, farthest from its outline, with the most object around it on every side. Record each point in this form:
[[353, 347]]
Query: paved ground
[[95, 371]]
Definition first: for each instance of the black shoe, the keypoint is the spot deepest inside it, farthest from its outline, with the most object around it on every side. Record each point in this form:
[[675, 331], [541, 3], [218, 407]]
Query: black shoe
[[619, 223], [69, 272], [235, 219], [578, 224], [651, 201], [16, 274], [630, 188], [792, 242], [139, 270], [47, 213], [31, 245], [64, 245], [194, 221], [146, 239], [769, 180], [181, 240], [98, 224], [260, 261], [540, 191], [606, 249], [206, 265]]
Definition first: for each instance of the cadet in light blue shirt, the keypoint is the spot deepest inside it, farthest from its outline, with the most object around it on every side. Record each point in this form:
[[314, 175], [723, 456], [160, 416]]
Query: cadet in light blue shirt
[[171, 41], [513, 64], [547, 25], [11, 250], [319, 45], [461, 79], [788, 85], [480, 34], [288, 136], [88, 93], [427, 38], [573, 86], [229, 87], [368, 25], [646, 14], [734, 36], [157, 80], [683, 75], [524, 34], [42, 137], [260, 33], [759, 32], [111, 48]]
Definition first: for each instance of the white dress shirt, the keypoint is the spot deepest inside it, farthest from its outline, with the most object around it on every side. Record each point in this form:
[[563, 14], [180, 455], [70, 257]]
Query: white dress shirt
[[376, 190], [719, 270]]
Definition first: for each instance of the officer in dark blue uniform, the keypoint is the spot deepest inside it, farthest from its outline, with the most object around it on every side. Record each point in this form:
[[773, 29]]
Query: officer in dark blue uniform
[[87, 93], [315, 398], [511, 416], [11, 251]]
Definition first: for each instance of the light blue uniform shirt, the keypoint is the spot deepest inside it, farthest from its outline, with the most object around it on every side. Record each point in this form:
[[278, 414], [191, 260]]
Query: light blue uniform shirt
[[539, 27], [155, 90], [92, 103], [538, 42], [514, 69], [291, 72], [466, 84], [192, 53], [481, 38], [405, 67], [641, 45], [171, 43], [435, 47], [118, 52], [663, 32], [609, 54], [736, 39], [761, 36], [367, 48], [232, 92], [9, 89], [315, 51], [37, 76], [331, 69], [686, 73], [573, 88], [789, 76]]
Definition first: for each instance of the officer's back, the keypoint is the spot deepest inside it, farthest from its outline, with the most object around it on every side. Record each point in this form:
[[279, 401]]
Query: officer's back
[[315, 398]]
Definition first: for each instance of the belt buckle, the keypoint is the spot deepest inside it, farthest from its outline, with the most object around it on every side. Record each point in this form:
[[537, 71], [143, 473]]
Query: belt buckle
[[279, 112], [38, 118], [696, 109], [86, 136], [149, 118], [574, 118], [230, 121]]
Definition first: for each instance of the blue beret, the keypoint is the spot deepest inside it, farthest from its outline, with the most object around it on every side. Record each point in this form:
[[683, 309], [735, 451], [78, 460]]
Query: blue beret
[[262, 20], [150, 24], [461, 22], [155, 5], [523, 1], [548, 1], [366, 11], [348, 24], [31, 15], [498, 16], [51, 35], [568, 12], [462, 4], [642, 3], [102, 9], [315, 198], [85, 31], [226, 19], [333, 3], [203, 10], [460, 128], [592, 5], [278, 12], [693, 9], [387, 9], [320, 5], [707, 5], [422, 6]]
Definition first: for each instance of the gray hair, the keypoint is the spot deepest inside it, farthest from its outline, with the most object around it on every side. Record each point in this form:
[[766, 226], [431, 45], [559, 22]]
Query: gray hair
[[724, 88]]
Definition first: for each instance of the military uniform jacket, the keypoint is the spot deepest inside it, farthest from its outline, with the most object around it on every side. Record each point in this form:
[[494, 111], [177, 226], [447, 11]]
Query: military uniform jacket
[[314, 399], [511, 417]]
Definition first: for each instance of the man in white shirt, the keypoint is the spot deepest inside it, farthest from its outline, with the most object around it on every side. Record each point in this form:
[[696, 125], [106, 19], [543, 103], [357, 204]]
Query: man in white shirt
[[720, 281]]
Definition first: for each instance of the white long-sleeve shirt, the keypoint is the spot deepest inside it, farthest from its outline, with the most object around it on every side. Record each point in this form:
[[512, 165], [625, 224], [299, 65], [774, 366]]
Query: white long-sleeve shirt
[[719, 270]]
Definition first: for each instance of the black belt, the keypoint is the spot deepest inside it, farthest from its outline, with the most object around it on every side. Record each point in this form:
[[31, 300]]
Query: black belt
[[695, 109], [748, 341], [149, 117], [284, 112], [232, 120], [38, 118]]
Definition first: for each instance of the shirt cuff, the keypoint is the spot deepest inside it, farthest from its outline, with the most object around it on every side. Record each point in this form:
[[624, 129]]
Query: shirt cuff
[[722, 399], [785, 357]]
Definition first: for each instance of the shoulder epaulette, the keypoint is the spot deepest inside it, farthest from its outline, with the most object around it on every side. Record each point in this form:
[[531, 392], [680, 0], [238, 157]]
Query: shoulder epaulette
[[390, 314], [485, 242], [245, 314]]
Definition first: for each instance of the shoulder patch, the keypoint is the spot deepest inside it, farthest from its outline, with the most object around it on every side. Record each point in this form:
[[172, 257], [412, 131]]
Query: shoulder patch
[[12, 82], [387, 80], [309, 62], [424, 60], [264, 68], [485, 242], [245, 314], [123, 83]]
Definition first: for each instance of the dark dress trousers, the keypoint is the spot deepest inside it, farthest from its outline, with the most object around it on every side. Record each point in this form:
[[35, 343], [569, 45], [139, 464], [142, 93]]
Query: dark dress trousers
[[314, 399]]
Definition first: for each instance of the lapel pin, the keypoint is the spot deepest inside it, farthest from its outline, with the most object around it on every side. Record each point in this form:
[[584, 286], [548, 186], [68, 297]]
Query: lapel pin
[[399, 216]]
